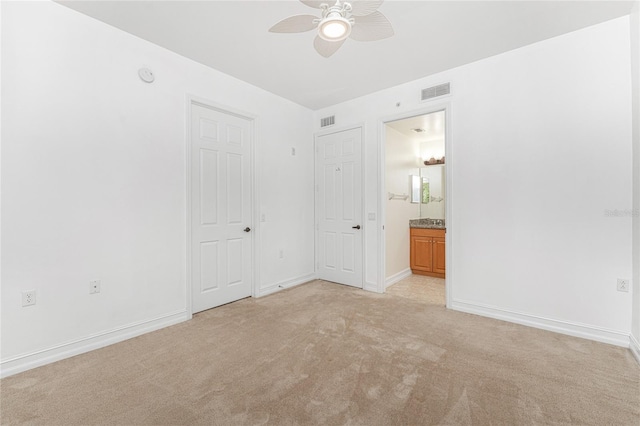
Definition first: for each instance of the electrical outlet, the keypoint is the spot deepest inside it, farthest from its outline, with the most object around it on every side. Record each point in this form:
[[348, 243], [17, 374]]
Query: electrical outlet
[[94, 286], [623, 284], [281, 253], [28, 298]]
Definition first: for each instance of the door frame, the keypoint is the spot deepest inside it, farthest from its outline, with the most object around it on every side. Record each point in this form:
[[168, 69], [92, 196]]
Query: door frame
[[316, 135], [448, 149], [255, 234]]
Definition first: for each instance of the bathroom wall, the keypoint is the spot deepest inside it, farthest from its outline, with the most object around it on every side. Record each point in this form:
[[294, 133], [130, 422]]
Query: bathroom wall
[[432, 148], [401, 162]]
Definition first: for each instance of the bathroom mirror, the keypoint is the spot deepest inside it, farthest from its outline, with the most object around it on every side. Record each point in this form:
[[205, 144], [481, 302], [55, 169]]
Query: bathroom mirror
[[415, 188], [432, 192], [425, 194]]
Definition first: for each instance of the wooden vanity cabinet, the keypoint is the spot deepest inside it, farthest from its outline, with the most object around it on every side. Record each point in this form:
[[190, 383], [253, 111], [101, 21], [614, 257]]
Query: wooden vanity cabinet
[[427, 252]]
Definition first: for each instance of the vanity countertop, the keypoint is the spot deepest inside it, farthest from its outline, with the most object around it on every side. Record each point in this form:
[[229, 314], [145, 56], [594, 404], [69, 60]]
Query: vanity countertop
[[423, 226], [427, 223]]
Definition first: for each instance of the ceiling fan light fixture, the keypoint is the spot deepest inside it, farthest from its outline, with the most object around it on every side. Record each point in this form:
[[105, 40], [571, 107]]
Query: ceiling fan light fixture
[[334, 28], [340, 19]]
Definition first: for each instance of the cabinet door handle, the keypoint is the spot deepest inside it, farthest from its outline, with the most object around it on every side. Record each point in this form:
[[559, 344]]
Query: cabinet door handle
[[356, 227]]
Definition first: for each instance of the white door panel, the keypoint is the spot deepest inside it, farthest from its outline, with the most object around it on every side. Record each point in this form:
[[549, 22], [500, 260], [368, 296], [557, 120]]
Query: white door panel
[[339, 207], [221, 207]]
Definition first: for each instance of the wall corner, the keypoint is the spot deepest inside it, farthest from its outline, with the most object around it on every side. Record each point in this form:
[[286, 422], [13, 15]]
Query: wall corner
[[635, 108]]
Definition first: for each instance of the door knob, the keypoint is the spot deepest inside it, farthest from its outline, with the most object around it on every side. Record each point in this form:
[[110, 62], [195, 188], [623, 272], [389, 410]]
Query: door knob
[[356, 227], [247, 229]]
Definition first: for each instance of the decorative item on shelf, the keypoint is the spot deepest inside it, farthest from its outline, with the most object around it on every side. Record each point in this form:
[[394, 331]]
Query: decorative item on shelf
[[432, 161]]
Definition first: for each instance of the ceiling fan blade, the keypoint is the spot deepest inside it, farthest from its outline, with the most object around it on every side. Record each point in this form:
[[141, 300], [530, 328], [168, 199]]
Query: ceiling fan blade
[[295, 24], [365, 7], [371, 27], [326, 48], [317, 3]]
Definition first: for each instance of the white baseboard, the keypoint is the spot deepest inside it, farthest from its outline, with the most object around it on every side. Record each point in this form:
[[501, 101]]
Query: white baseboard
[[42, 357], [634, 345], [397, 277], [286, 284], [614, 337], [370, 286]]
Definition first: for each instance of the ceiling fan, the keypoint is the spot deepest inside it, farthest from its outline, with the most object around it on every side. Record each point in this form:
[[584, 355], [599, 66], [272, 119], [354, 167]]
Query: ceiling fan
[[356, 19]]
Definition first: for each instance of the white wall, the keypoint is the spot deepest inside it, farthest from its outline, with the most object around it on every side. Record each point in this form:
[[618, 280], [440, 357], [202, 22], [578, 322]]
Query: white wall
[[401, 160], [635, 76], [93, 182], [433, 148], [540, 148]]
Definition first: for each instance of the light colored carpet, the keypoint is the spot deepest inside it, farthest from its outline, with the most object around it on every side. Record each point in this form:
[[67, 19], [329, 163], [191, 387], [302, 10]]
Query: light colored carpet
[[323, 353]]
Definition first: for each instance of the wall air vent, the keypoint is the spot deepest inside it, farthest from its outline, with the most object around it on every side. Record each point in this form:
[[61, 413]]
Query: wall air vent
[[328, 121], [435, 91]]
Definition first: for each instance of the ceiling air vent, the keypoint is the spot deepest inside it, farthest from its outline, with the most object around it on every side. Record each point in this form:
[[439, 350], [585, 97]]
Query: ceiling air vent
[[328, 121], [435, 91]]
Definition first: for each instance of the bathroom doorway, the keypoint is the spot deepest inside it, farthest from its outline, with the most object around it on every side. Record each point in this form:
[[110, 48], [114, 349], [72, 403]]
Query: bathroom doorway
[[415, 181]]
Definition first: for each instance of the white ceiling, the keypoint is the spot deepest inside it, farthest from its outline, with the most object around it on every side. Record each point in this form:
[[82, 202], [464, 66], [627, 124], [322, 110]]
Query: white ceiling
[[430, 36], [432, 124]]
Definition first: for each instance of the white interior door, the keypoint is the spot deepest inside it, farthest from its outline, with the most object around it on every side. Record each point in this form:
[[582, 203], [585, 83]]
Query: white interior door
[[339, 207], [221, 264]]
